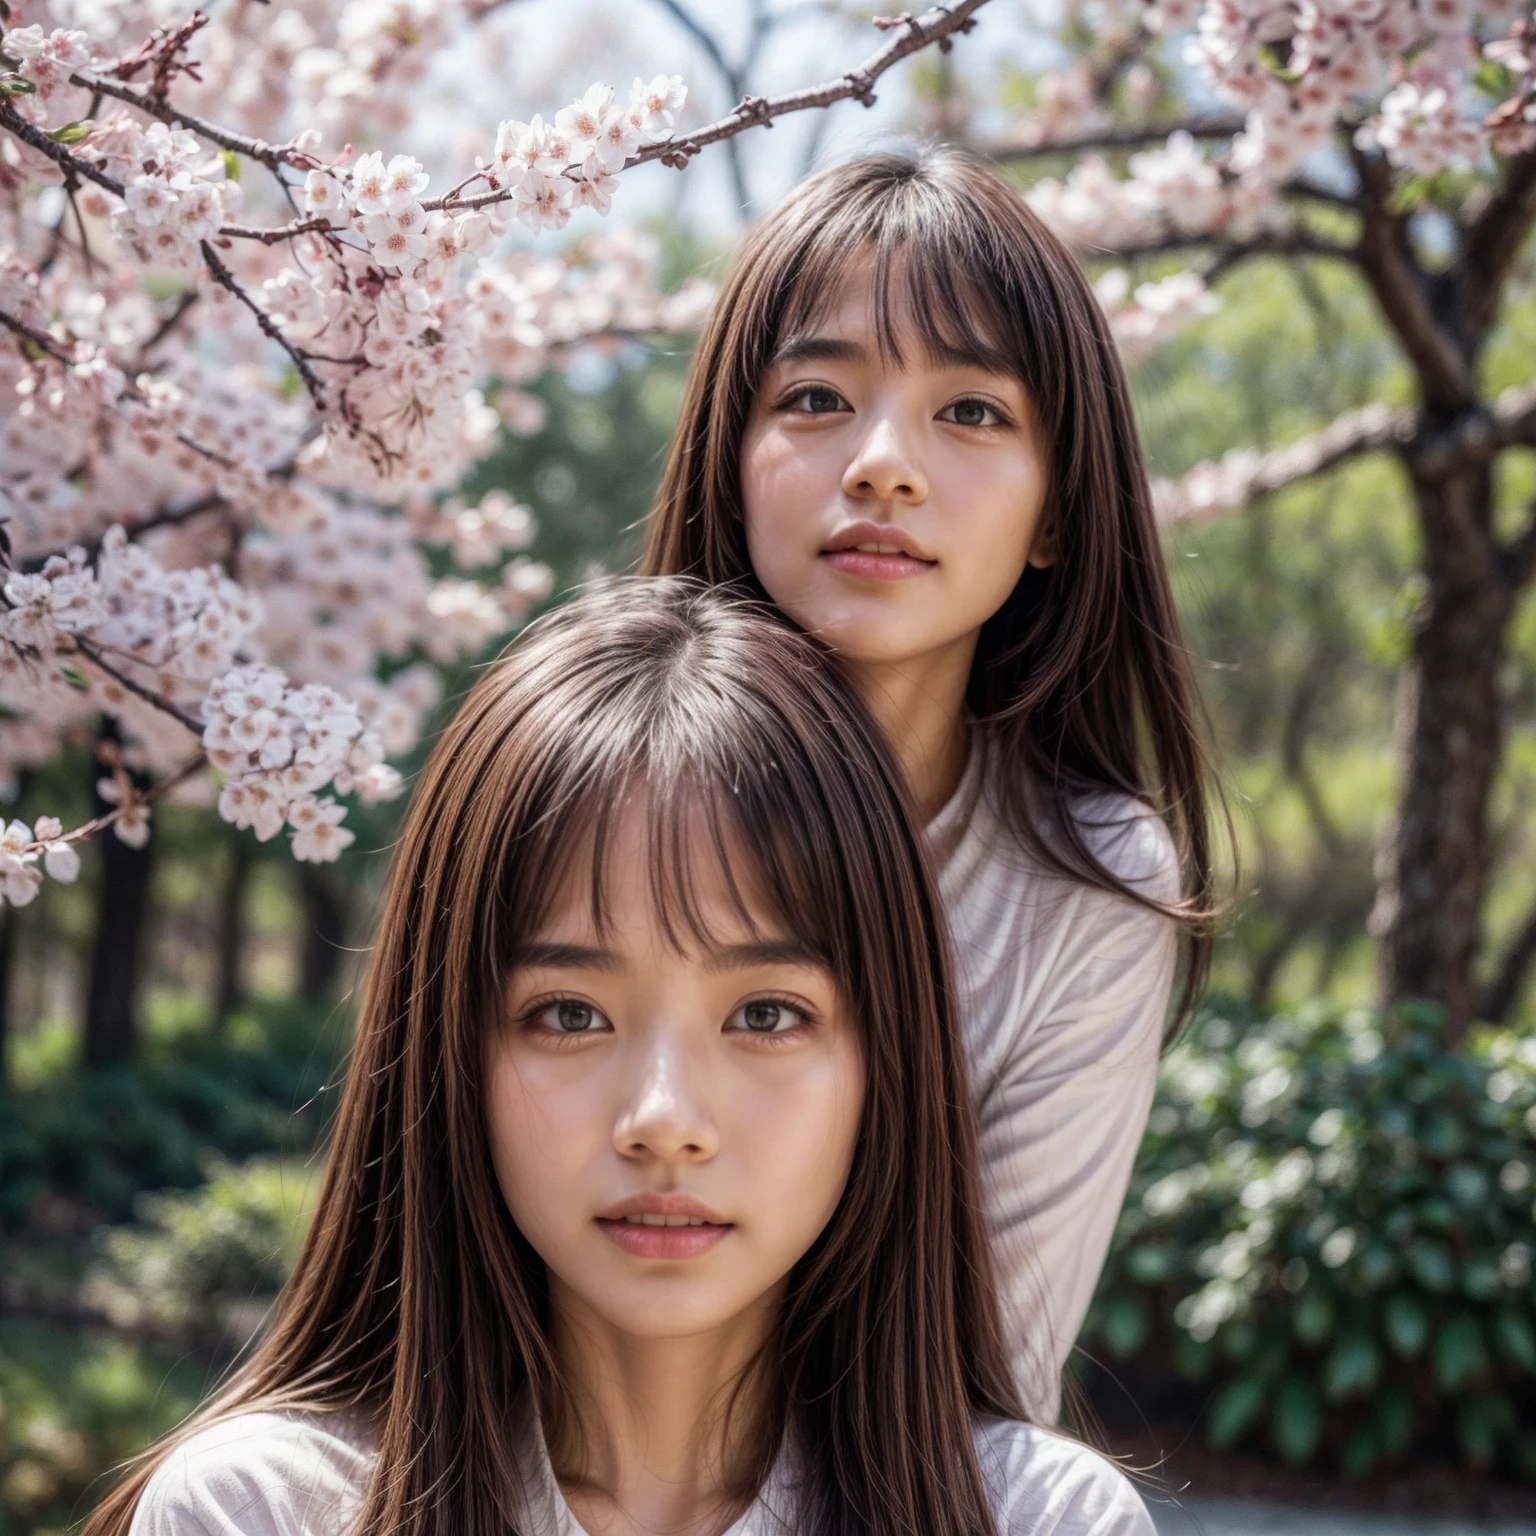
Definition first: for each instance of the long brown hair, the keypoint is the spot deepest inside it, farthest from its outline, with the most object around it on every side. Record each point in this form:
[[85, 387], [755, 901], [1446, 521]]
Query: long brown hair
[[1081, 677], [417, 1302]]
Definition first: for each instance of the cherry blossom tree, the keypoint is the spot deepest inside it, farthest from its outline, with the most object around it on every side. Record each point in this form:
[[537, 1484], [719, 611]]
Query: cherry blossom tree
[[1398, 138], [246, 369]]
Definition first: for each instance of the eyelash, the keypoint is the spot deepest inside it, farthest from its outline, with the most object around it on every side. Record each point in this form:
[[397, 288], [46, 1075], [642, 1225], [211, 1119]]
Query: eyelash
[[1003, 420], [778, 1037]]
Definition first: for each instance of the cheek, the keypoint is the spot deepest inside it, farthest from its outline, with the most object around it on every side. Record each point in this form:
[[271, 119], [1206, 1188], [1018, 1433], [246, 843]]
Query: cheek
[[784, 481], [797, 1144], [540, 1131]]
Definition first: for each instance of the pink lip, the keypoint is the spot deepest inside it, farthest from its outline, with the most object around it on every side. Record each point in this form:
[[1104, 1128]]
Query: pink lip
[[907, 558], [648, 1242]]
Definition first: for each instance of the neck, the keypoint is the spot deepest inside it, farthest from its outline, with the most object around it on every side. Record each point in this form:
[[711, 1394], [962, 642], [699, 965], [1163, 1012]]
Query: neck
[[653, 1451], [919, 705]]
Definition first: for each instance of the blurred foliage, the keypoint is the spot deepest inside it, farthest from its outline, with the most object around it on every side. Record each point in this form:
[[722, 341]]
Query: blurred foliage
[[79, 1148], [208, 1262], [1331, 1231]]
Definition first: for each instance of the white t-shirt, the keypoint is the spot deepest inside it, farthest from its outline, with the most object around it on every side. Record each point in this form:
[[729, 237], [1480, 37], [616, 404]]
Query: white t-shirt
[[300, 1474], [1063, 993]]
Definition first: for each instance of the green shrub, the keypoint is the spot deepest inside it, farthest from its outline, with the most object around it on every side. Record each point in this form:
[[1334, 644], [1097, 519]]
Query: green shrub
[[1331, 1230], [80, 1150], [210, 1261], [70, 1409]]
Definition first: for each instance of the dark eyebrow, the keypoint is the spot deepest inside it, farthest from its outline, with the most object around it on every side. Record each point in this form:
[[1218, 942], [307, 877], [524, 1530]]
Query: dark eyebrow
[[819, 349], [733, 957], [569, 957], [741, 957]]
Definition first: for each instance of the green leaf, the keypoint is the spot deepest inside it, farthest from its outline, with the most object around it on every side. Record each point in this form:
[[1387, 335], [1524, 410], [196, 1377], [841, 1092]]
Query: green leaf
[[1236, 1408], [16, 85], [72, 133], [1459, 1353], [1515, 1339], [1148, 1264], [1192, 1356], [231, 164], [1352, 1367], [1431, 1265], [1312, 1317], [1297, 1420], [1480, 1280], [1124, 1325], [1406, 1326]]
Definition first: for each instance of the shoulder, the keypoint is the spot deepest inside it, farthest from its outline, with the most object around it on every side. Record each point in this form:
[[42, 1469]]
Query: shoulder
[[259, 1474], [1046, 1484], [1131, 841]]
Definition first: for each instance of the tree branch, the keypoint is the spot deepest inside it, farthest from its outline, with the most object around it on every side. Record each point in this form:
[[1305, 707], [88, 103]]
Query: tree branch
[[1479, 435], [270, 155], [1444, 375], [12, 120], [1493, 239], [1227, 253], [149, 696], [1508, 980], [1110, 138], [226, 279], [1244, 475]]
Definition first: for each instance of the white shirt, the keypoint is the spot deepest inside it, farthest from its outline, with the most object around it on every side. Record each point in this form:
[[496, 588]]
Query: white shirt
[[301, 1474], [1063, 993]]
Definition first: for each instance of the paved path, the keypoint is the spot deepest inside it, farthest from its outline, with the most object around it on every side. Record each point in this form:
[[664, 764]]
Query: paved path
[[1245, 1517]]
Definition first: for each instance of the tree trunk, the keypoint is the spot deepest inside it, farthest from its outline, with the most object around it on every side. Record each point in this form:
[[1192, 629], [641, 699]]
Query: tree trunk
[[230, 942], [1429, 906], [326, 913], [111, 1014], [7, 949]]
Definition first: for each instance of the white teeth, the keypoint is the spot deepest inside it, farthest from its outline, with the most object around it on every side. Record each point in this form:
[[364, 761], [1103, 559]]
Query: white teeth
[[648, 1220], [877, 549]]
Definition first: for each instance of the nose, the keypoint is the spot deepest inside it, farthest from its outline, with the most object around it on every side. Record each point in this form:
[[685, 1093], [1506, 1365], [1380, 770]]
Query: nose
[[665, 1117], [886, 466]]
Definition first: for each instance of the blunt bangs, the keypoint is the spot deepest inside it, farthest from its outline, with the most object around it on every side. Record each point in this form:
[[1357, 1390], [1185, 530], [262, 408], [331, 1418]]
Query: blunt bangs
[[728, 768]]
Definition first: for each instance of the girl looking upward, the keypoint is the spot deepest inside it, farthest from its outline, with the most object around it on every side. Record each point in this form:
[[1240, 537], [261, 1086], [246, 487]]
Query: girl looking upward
[[651, 1203], [907, 426]]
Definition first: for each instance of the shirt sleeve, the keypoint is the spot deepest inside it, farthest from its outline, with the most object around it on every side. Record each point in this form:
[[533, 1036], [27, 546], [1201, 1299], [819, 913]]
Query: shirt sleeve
[[1043, 1484], [254, 1475], [1061, 1123]]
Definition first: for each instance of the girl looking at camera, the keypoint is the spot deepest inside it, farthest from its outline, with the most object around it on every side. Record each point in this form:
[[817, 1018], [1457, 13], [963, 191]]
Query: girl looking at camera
[[907, 426], [651, 1203]]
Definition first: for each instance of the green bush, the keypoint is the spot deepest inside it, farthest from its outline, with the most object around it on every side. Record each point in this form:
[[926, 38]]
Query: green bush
[[210, 1261], [70, 1409], [1331, 1230], [78, 1151]]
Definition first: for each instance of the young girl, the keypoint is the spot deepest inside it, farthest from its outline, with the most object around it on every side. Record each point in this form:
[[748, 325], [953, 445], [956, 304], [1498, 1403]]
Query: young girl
[[651, 1205], [907, 426]]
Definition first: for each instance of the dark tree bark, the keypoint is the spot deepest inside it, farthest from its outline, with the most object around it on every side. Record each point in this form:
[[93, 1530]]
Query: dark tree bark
[[111, 1012], [1430, 904], [229, 991], [7, 949], [327, 911]]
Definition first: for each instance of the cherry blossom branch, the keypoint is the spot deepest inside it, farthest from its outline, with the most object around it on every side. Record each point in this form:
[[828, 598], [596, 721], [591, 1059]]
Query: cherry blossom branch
[[1111, 138], [163, 785], [270, 155], [13, 122], [938, 25], [149, 696], [269, 327], [39, 339], [1244, 475], [1227, 253]]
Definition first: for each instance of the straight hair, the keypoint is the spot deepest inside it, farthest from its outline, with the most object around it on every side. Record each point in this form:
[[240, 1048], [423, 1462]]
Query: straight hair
[[1082, 677], [418, 1304]]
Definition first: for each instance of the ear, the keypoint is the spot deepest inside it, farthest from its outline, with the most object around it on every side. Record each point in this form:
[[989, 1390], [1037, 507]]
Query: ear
[[1042, 550]]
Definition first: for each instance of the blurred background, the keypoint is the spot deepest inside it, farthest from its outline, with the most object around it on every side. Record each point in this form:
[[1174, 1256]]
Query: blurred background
[[1321, 1289]]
